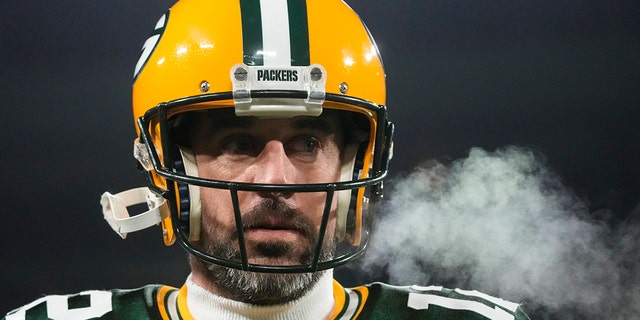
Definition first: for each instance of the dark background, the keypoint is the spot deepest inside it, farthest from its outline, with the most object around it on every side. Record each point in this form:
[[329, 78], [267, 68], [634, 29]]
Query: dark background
[[558, 76]]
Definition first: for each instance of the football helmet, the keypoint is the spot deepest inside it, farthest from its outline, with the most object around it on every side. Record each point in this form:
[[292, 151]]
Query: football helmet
[[264, 59]]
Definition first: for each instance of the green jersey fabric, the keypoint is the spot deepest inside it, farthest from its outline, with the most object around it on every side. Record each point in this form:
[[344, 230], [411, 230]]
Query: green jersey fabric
[[433, 302], [373, 301]]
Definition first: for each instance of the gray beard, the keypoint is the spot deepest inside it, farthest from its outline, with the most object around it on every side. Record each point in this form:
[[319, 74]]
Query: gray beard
[[262, 288], [257, 287]]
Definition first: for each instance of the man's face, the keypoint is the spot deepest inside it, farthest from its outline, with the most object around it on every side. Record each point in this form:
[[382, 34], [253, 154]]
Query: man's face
[[279, 228]]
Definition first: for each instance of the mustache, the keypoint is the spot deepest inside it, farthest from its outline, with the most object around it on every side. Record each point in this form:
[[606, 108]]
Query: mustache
[[276, 214], [270, 214]]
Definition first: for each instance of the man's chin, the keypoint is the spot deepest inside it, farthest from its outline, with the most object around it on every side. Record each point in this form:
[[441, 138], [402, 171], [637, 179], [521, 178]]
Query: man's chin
[[260, 288]]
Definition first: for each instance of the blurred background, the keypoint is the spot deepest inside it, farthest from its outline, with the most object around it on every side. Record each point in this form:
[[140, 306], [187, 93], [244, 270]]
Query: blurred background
[[559, 77]]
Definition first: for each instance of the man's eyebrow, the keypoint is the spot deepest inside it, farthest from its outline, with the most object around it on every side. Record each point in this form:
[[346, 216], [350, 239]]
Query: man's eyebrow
[[223, 123], [219, 124], [321, 124]]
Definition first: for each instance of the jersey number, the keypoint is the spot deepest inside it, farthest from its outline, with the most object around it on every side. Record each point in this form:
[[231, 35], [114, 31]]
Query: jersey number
[[86, 305]]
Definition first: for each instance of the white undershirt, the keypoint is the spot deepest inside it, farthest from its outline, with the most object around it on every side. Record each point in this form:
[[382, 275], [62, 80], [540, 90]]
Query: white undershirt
[[316, 304]]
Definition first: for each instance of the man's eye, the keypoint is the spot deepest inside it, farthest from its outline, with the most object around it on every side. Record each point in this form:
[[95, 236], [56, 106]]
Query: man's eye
[[305, 144], [239, 144]]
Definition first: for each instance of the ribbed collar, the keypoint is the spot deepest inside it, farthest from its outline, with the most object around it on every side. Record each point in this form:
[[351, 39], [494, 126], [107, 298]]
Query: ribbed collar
[[316, 304]]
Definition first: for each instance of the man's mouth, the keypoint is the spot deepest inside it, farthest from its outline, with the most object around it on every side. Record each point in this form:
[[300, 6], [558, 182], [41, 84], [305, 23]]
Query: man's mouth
[[272, 229]]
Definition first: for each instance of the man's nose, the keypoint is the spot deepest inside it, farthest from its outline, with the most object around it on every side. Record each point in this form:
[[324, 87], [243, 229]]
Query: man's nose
[[273, 166]]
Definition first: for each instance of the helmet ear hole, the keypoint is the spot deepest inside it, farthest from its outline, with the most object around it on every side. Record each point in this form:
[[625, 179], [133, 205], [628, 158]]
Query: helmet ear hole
[[188, 195]]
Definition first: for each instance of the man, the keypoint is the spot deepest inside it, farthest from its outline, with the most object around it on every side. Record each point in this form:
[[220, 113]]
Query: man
[[264, 139]]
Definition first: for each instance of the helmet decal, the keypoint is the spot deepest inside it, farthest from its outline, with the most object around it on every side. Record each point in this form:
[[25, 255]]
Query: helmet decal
[[150, 44], [276, 34]]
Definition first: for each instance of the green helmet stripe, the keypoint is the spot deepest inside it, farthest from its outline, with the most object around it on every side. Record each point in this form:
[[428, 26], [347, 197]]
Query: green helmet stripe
[[275, 33], [299, 32], [251, 32]]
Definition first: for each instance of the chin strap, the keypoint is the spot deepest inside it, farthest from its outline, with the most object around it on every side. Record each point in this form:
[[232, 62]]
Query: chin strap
[[114, 208]]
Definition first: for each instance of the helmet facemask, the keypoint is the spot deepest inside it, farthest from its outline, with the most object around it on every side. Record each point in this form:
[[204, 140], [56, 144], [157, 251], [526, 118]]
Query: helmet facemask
[[358, 190]]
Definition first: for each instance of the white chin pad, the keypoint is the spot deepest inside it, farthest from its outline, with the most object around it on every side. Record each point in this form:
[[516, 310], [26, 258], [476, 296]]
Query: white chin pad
[[344, 196], [190, 168]]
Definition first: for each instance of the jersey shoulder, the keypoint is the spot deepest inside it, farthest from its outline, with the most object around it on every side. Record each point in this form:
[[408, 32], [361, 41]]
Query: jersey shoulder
[[140, 303], [386, 301]]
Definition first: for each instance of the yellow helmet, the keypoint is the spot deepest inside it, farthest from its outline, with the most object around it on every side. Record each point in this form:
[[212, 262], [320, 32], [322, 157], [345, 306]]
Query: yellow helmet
[[265, 59]]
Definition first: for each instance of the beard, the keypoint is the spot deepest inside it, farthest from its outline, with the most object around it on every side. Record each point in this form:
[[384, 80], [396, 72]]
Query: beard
[[257, 287]]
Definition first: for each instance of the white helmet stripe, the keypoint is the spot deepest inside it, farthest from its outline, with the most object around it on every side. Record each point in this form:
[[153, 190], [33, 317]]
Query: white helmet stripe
[[276, 42]]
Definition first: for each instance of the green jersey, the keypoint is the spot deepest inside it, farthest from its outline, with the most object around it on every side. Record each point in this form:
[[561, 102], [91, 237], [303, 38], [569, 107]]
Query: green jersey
[[373, 301]]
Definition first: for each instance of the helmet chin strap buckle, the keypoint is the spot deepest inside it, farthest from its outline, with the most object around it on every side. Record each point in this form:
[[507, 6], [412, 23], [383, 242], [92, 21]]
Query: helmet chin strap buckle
[[116, 212]]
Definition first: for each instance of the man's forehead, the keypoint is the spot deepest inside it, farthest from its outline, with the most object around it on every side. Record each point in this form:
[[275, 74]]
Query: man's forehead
[[327, 122]]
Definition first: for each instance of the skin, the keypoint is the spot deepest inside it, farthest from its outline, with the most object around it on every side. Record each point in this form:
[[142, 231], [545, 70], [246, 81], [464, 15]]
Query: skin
[[279, 228]]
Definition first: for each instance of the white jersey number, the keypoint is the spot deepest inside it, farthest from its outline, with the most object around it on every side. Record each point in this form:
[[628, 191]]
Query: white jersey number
[[58, 307]]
